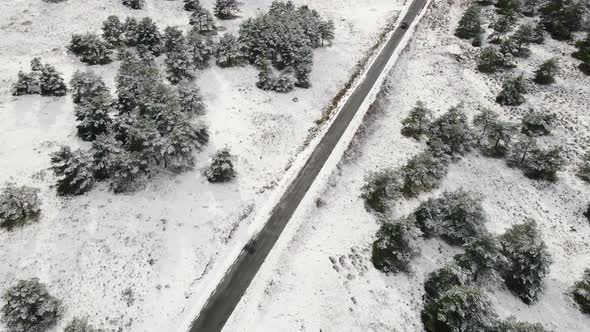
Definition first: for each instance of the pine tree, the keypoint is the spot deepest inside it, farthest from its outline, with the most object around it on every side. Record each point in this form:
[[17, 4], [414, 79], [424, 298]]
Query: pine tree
[[327, 31], [562, 17], [228, 52], [93, 116], [179, 66], [26, 84], [180, 140], [583, 54], [18, 205], [226, 9], [512, 325], [80, 325], [221, 168], [202, 20], [266, 77], [417, 122], [457, 216], [529, 7], [381, 187], [113, 30], [133, 79], [51, 82], [74, 171], [174, 41], [302, 71], [470, 23], [546, 72], [482, 257], [423, 172], [149, 36], [396, 245], [453, 130], [192, 5], [520, 151], [528, 260], [29, 307], [36, 64], [130, 31], [512, 92], [501, 26], [538, 123], [87, 85], [285, 82], [134, 4], [441, 280], [200, 48], [493, 135], [191, 101], [581, 292], [91, 49], [522, 38], [508, 7], [544, 164], [459, 309], [584, 168]]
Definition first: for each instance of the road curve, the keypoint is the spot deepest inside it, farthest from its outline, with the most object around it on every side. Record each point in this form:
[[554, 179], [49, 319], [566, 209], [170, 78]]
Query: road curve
[[237, 278]]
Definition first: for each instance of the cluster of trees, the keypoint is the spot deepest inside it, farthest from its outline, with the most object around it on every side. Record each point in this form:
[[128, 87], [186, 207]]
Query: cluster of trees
[[18, 205], [146, 127], [42, 79], [284, 38]]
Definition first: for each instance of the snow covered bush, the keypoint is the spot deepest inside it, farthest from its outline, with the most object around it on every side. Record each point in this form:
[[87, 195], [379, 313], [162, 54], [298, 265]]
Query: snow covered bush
[[91, 49], [459, 309], [380, 187], [584, 168], [581, 292], [445, 278], [512, 92], [228, 51], [80, 325], [563, 17], [221, 168], [26, 84], [200, 48], [112, 31], [29, 307], [87, 86], [134, 4], [51, 82], [528, 260], [546, 72], [225, 9], [417, 122], [482, 257], [453, 130], [397, 243], [456, 216], [512, 325], [538, 124], [492, 134], [423, 172], [470, 23], [93, 117], [74, 171], [18, 205]]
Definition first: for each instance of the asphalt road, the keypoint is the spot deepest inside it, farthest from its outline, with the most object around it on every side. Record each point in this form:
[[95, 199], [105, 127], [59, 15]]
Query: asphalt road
[[232, 287]]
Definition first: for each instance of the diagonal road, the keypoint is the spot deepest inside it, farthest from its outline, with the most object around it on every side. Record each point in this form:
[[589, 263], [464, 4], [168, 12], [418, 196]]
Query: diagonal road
[[238, 277]]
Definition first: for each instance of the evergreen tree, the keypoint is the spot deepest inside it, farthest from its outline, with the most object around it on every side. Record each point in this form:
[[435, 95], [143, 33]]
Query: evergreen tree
[[512, 92], [179, 66], [202, 20], [544, 164], [396, 245], [191, 101], [51, 82], [113, 30], [562, 17], [134, 4], [492, 60], [520, 151], [174, 41], [200, 48], [528, 260], [180, 140], [18, 205], [459, 309], [93, 116], [266, 77], [133, 79], [303, 69], [583, 54], [192, 5], [36, 64], [225, 9], [522, 38], [29, 307], [91, 49], [508, 7], [74, 171], [501, 26], [87, 85], [285, 82], [537, 123], [221, 168], [470, 23], [326, 30], [80, 325], [546, 72], [453, 130], [584, 168], [493, 135], [440, 281], [130, 31], [456, 216], [149, 36], [512, 325], [423, 172], [417, 122], [482, 256], [581, 292], [26, 84], [380, 187], [529, 7], [228, 52]]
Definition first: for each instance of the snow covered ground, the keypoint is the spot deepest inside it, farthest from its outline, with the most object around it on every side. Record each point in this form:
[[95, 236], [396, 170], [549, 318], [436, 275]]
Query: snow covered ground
[[319, 277], [163, 241]]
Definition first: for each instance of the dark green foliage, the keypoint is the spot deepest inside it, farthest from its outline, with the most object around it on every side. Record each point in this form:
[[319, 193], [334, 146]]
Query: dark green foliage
[[396, 245], [174, 41], [445, 278], [380, 187], [226, 9], [134, 4], [584, 168], [459, 309], [546, 72], [562, 17], [93, 117], [512, 92], [148, 36], [29, 307], [268, 80], [453, 130], [492, 60], [326, 30], [200, 48], [192, 5], [86, 86], [18, 205], [529, 7], [528, 260], [51, 82], [112, 31], [455, 216], [179, 66], [26, 84], [91, 49], [522, 38], [470, 23], [512, 325], [130, 31], [423, 173], [493, 135], [583, 54], [508, 7], [482, 256], [191, 101], [417, 122], [80, 325], [228, 52], [501, 26], [221, 168], [537, 123], [587, 213], [202, 20], [581, 292], [74, 171], [134, 80]]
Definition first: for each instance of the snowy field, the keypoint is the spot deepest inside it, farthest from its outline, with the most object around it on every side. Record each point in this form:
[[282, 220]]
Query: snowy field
[[320, 277], [162, 241]]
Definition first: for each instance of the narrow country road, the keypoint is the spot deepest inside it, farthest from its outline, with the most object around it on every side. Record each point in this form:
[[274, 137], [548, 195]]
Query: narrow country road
[[237, 278]]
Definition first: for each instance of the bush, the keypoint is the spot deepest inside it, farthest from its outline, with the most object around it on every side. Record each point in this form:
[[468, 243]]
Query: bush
[[459, 309], [456, 216], [581, 292], [441, 280], [396, 245], [87, 86], [91, 49], [482, 256], [18, 205], [29, 307], [221, 168], [453, 130], [417, 122], [546, 72], [470, 23], [512, 92], [423, 172], [584, 168], [79, 325], [380, 187], [537, 123], [51, 82], [134, 4], [528, 260], [74, 171], [512, 325]]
